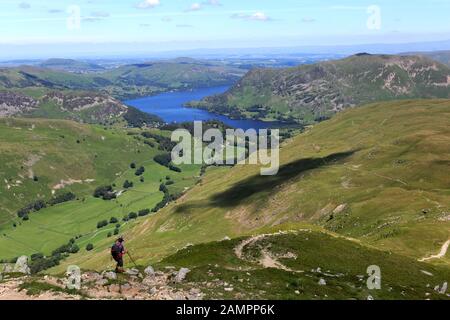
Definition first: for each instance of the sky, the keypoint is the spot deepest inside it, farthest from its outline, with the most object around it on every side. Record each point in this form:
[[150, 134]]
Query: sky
[[189, 24]]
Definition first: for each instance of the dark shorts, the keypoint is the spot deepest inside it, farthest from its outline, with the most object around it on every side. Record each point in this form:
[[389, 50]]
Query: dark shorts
[[119, 261]]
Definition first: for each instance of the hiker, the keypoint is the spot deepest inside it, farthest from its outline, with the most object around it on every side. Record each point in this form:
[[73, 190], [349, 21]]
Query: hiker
[[117, 252]]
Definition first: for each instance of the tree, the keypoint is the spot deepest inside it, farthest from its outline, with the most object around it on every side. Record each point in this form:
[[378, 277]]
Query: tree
[[113, 220], [143, 212], [89, 247], [140, 171], [132, 215], [128, 184], [133, 165], [102, 224], [105, 192]]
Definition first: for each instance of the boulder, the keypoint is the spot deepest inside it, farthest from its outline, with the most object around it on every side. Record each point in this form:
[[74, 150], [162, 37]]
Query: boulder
[[322, 282], [101, 282], [149, 271], [132, 272], [7, 268], [181, 275], [21, 265], [110, 275], [443, 289]]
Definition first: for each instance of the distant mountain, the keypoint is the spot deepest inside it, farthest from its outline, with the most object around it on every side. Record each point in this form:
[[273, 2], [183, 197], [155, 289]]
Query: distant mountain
[[126, 81], [92, 97], [70, 65], [441, 56], [310, 93]]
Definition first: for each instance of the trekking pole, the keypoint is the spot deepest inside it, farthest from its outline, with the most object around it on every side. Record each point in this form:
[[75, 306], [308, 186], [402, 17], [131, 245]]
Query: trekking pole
[[132, 259]]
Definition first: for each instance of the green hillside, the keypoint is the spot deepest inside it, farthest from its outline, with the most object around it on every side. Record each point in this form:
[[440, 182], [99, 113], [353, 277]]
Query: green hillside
[[311, 93], [76, 105], [374, 173], [364, 188], [44, 159], [308, 264]]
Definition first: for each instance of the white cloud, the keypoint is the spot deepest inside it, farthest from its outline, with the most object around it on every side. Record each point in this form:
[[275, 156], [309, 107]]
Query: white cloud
[[212, 3], [148, 4], [194, 7], [257, 16]]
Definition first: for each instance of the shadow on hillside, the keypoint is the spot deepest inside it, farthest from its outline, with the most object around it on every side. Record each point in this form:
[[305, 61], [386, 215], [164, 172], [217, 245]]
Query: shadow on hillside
[[263, 185]]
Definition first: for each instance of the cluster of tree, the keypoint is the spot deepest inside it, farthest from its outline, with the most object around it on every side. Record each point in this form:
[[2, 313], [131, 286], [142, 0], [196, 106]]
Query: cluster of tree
[[166, 199], [164, 142], [189, 126], [69, 196], [102, 224], [143, 212], [128, 184], [138, 119], [39, 262], [165, 160], [140, 171], [38, 205], [149, 143], [105, 192], [32, 207]]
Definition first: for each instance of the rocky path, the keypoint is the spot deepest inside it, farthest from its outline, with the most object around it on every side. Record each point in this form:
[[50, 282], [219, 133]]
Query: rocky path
[[267, 260], [133, 285], [441, 253]]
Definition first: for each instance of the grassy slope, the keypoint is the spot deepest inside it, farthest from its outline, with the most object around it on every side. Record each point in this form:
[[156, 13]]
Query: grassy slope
[[215, 266], [385, 162], [102, 155]]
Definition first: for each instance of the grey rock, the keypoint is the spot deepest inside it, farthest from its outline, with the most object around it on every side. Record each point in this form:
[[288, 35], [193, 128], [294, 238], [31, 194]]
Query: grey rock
[[181, 275], [149, 271], [444, 288], [110, 275], [322, 282], [7, 268], [101, 282], [21, 265], [132, 272]]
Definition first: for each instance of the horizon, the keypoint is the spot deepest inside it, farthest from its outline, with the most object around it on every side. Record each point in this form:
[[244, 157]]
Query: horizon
[[75, 29]]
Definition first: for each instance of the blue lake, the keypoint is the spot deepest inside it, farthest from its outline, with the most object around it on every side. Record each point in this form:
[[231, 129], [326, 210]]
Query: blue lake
[[170, 107]]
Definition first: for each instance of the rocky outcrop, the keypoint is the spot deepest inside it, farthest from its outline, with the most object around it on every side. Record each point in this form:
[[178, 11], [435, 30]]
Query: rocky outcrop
[[12, 104], [21, 265]]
